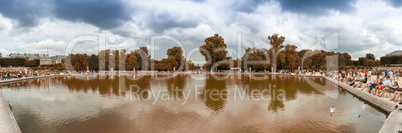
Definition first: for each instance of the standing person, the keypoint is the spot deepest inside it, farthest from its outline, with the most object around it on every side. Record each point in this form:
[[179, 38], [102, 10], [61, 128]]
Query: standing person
[[397, 76], [365, 73], [386, 73], [369, 73], [383, 74], [391, 75], [378, 74]]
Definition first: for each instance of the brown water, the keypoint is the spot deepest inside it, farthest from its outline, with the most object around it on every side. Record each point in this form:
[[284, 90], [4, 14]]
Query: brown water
[[187, 103]]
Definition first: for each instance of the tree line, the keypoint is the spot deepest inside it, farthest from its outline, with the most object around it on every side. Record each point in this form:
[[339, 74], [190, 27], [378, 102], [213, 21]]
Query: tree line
[[138, 59], [19, 62], [279, 56]]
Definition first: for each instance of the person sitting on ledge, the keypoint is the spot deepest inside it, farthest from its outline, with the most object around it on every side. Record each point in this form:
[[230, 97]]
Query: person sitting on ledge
[[342, 78], [373, 83], [379, 87], [397, 94], [363, 81], [387, 85], [357, 81], [390, 89]]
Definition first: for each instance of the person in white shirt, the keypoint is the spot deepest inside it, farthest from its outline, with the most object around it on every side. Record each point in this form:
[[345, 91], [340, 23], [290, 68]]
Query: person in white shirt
[[387, 82], [390, 75], [369, 73]]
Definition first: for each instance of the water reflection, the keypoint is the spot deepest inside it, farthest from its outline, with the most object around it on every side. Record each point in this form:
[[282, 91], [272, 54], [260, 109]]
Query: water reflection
[[214, 93], [176, 85], [105, 104]]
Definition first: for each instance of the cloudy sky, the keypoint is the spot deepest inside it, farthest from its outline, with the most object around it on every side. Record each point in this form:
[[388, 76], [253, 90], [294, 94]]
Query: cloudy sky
[[354, 26]]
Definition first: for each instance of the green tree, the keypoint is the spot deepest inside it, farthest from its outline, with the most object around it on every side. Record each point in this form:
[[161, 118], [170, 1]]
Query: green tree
[[93, 62]]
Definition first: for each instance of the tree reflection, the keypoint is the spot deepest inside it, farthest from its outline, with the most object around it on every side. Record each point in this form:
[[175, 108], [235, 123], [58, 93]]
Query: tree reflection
[[176, 85], [139, 88], [215, 93], [275, 105]]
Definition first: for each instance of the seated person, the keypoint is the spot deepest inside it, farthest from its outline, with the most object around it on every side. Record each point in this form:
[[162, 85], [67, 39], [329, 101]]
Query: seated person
[[379, 87], [387, 85], [397, 94], [373, 83], [357, 81]]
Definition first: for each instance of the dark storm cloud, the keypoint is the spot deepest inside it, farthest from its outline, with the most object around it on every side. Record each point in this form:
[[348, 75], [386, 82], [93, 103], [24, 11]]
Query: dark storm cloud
[[159, 22], [104, 14], [25, 12], [316, 7]]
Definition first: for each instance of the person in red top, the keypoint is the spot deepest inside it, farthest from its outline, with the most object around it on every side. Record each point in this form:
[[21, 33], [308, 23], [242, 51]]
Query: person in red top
[[365, 73]]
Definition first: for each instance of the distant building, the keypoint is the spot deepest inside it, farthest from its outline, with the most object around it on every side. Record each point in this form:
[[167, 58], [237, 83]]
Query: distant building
[[57, 59], [44, 62], [392, 59], [44, 58], [28, 56], [1, 55], [397, 52]]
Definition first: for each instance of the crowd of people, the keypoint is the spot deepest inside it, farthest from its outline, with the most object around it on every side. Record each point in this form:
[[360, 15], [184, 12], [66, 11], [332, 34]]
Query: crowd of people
[[22, 73], [384, 82]]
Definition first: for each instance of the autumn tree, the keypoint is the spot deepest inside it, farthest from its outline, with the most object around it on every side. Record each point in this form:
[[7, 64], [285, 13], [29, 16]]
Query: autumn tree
[[370, 56], [104, 59], [132, 61], [289, 58], [276, 43], [143, 58], [363, 61], [78, 61], [32, 63], [214, 50], [344, 59], [176, 53], [256, 59]]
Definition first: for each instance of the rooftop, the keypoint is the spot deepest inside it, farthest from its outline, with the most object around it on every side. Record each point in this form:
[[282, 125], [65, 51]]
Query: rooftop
[[397, 52]]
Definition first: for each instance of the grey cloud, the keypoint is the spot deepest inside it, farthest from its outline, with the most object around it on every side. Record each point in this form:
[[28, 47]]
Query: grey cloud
[[159, 22], [395, 3], [25, 12], [247, 6], [316, 7], [104, 14]]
